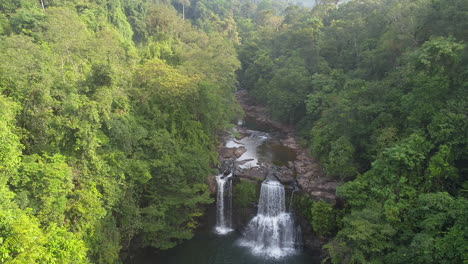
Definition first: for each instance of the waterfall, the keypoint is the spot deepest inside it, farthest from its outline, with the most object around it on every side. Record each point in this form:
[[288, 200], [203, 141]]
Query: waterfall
[[223, 218], [271, 232]]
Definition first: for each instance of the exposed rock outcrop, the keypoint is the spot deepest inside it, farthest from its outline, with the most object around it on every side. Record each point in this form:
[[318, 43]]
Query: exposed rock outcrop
[[284, 175], [231, 153], [253, 173], [212, 184]]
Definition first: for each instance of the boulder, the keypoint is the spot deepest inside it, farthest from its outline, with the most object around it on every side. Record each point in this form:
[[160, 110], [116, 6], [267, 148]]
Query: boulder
[[239, 151], [231, 153], [226, 153], [254, 173]]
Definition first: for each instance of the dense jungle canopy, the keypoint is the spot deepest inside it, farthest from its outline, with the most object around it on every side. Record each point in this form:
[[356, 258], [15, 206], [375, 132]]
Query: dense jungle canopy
[[110, 112]]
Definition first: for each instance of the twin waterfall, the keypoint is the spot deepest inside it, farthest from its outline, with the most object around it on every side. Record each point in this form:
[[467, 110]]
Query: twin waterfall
[[272, 232]]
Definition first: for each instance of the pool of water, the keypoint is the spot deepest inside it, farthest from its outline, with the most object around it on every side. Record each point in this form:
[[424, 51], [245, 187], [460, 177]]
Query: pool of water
[[210, 248], [270, 150], [252, 124], [274, 152]]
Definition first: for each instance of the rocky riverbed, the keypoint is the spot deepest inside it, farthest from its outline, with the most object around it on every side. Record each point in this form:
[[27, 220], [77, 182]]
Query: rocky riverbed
[[305, 171]]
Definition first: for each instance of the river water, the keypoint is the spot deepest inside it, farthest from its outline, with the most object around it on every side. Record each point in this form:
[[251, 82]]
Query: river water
[[209, 246]]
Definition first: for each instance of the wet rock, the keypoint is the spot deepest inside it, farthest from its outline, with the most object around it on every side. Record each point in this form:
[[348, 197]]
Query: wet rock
[[238, 166], [318, 187], [325, 196], [314, 244], [226, 153], [243, 162], [231, 153], [284, 175], [239, 151], [226, 165], [238, 142], [212, 184], [242, 132], [290, 142], [244, 210], [254, 173], [302, 167]]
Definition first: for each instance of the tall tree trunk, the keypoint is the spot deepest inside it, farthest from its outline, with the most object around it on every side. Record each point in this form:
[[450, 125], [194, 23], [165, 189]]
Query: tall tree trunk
[[42, 4], [183, 11]]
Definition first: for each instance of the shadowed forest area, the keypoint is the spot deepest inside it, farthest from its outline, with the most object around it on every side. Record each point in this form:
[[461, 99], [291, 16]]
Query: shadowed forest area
[[111, 111]]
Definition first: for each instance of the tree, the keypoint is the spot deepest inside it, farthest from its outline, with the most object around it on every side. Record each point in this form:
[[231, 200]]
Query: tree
[[184, 3]]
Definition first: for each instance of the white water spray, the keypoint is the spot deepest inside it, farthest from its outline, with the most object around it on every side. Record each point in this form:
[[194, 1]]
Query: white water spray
[[223, 219], [271, 233]]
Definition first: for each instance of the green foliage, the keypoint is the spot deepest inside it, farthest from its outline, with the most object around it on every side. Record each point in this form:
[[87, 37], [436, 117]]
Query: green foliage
[[21, 237], [63, 247], [245, 194], [302, 204], [378, 89], [10, 147], [364, 238], [109, 112], [340, 160], [109, 116], [45, 184], [26, 20], [23, 240], [323, 218]]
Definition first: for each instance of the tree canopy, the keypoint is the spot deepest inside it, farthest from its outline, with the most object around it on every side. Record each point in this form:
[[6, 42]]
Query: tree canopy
[[110, 113], [378, 90]]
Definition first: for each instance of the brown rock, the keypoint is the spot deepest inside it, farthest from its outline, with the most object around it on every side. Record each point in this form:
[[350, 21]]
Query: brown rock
[[231, 153], [239, 151], [255, 173], [285, 175], [211, 180], [243, 132], [290, 142], [226, 153]]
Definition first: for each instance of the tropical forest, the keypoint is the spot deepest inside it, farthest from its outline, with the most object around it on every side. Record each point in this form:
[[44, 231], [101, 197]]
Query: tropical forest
[[234, 131]]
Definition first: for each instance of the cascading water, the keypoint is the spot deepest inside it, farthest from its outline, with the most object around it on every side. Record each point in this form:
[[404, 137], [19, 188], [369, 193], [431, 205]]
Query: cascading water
[[251, 143], [271, 232], [223, 219]]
